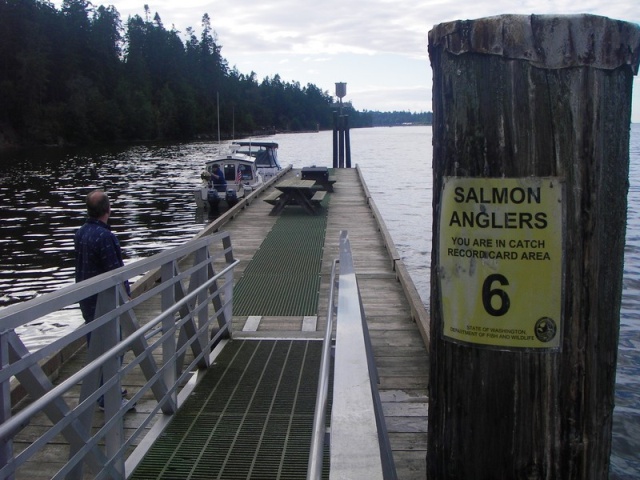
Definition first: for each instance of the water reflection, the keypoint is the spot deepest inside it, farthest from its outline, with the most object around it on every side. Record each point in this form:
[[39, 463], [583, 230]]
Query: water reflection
[[42, 205], [42, 193]]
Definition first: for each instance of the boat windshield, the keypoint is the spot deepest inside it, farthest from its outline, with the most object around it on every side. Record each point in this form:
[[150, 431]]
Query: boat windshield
[[265, 153], [267, 158]]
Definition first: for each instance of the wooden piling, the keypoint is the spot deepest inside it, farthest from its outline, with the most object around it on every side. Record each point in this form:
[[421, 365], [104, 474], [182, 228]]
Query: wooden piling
[[341, 141], [544, 100]]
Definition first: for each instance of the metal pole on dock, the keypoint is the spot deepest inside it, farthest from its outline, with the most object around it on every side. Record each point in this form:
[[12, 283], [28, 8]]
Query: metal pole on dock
[[341, 132], [341, 141], [531, 163], [335, 139], [347, 142]]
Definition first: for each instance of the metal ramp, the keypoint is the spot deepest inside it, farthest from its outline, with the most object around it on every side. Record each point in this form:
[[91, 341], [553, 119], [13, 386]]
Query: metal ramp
[[264, 408], [251, 416]]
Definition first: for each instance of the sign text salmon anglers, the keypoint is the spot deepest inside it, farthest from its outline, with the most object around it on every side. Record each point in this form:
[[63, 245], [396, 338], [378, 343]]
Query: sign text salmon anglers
[[500, 261]]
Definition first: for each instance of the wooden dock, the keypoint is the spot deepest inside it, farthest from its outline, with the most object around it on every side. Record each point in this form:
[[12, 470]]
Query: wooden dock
[[396, 319], [399, 347]]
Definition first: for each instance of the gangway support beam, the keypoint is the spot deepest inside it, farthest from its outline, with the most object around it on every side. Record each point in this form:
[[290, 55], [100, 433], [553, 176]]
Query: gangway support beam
[[37, 384]]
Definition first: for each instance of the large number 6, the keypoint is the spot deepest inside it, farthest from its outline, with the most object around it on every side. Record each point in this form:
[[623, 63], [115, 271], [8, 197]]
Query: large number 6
[[488, 293]]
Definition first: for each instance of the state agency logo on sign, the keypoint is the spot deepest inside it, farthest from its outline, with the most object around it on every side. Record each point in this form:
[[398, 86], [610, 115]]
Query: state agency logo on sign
[[500, 261]]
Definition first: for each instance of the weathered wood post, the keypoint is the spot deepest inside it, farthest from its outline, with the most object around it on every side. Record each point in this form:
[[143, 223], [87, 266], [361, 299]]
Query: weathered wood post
[[531, 161]]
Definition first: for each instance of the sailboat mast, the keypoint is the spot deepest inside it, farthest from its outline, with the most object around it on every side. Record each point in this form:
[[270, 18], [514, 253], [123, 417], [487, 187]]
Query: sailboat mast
[[218, 112]]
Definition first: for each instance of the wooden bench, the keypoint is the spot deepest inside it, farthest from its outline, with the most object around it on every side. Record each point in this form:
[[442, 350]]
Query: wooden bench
[[326, 184], [318, 197], [272, 198]]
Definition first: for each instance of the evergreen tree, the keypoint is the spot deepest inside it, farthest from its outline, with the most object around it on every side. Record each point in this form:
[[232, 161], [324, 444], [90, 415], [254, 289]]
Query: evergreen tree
[[77, 75]]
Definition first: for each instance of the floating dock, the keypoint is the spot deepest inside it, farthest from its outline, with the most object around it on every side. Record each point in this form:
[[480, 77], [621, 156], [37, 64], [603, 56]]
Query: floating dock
[[251, 413]]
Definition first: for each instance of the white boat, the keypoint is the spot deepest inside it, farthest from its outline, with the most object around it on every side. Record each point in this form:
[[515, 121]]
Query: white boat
[[265, 155], [240, 175]]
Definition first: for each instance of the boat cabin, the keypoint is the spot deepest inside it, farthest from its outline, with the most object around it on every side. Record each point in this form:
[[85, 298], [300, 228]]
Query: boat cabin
[[265, 155]]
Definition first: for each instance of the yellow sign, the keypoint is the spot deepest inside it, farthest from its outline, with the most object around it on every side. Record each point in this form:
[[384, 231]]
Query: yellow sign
[[500, 261]]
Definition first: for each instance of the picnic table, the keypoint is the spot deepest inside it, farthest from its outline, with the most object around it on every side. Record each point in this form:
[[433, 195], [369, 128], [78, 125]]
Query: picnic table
[[295, 192]]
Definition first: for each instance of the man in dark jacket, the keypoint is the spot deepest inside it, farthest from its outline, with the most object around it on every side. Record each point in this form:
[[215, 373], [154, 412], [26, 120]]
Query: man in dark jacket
[[97, 248], [217, 179], [97, 251]]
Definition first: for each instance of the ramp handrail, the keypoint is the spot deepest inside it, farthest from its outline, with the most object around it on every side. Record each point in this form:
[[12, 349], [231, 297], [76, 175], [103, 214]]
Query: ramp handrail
[[314, 470], [182, 326], [359, 443]]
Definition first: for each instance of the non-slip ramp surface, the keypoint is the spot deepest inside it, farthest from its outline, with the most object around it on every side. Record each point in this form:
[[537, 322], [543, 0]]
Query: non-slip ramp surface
[[283, 278], [251, 416]]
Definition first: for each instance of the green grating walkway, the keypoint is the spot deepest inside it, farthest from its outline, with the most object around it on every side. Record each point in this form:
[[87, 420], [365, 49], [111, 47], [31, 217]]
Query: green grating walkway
[[250, 417], [283, 278]]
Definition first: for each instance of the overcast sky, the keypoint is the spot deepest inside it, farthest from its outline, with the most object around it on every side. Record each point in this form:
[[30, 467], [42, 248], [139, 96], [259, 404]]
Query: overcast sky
[[378, 47]]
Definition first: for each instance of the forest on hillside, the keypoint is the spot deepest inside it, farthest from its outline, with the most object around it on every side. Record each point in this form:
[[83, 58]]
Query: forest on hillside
[[78, 75]]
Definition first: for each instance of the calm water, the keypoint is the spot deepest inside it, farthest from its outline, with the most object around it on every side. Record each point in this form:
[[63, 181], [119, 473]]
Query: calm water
[[41, 205]]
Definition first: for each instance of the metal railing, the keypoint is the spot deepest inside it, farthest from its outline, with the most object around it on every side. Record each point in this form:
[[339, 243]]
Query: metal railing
[[314, 470], [185, 305], [358, 438]]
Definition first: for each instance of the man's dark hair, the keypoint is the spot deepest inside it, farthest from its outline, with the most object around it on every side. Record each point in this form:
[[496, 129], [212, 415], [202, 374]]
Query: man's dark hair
[[97, 204]]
